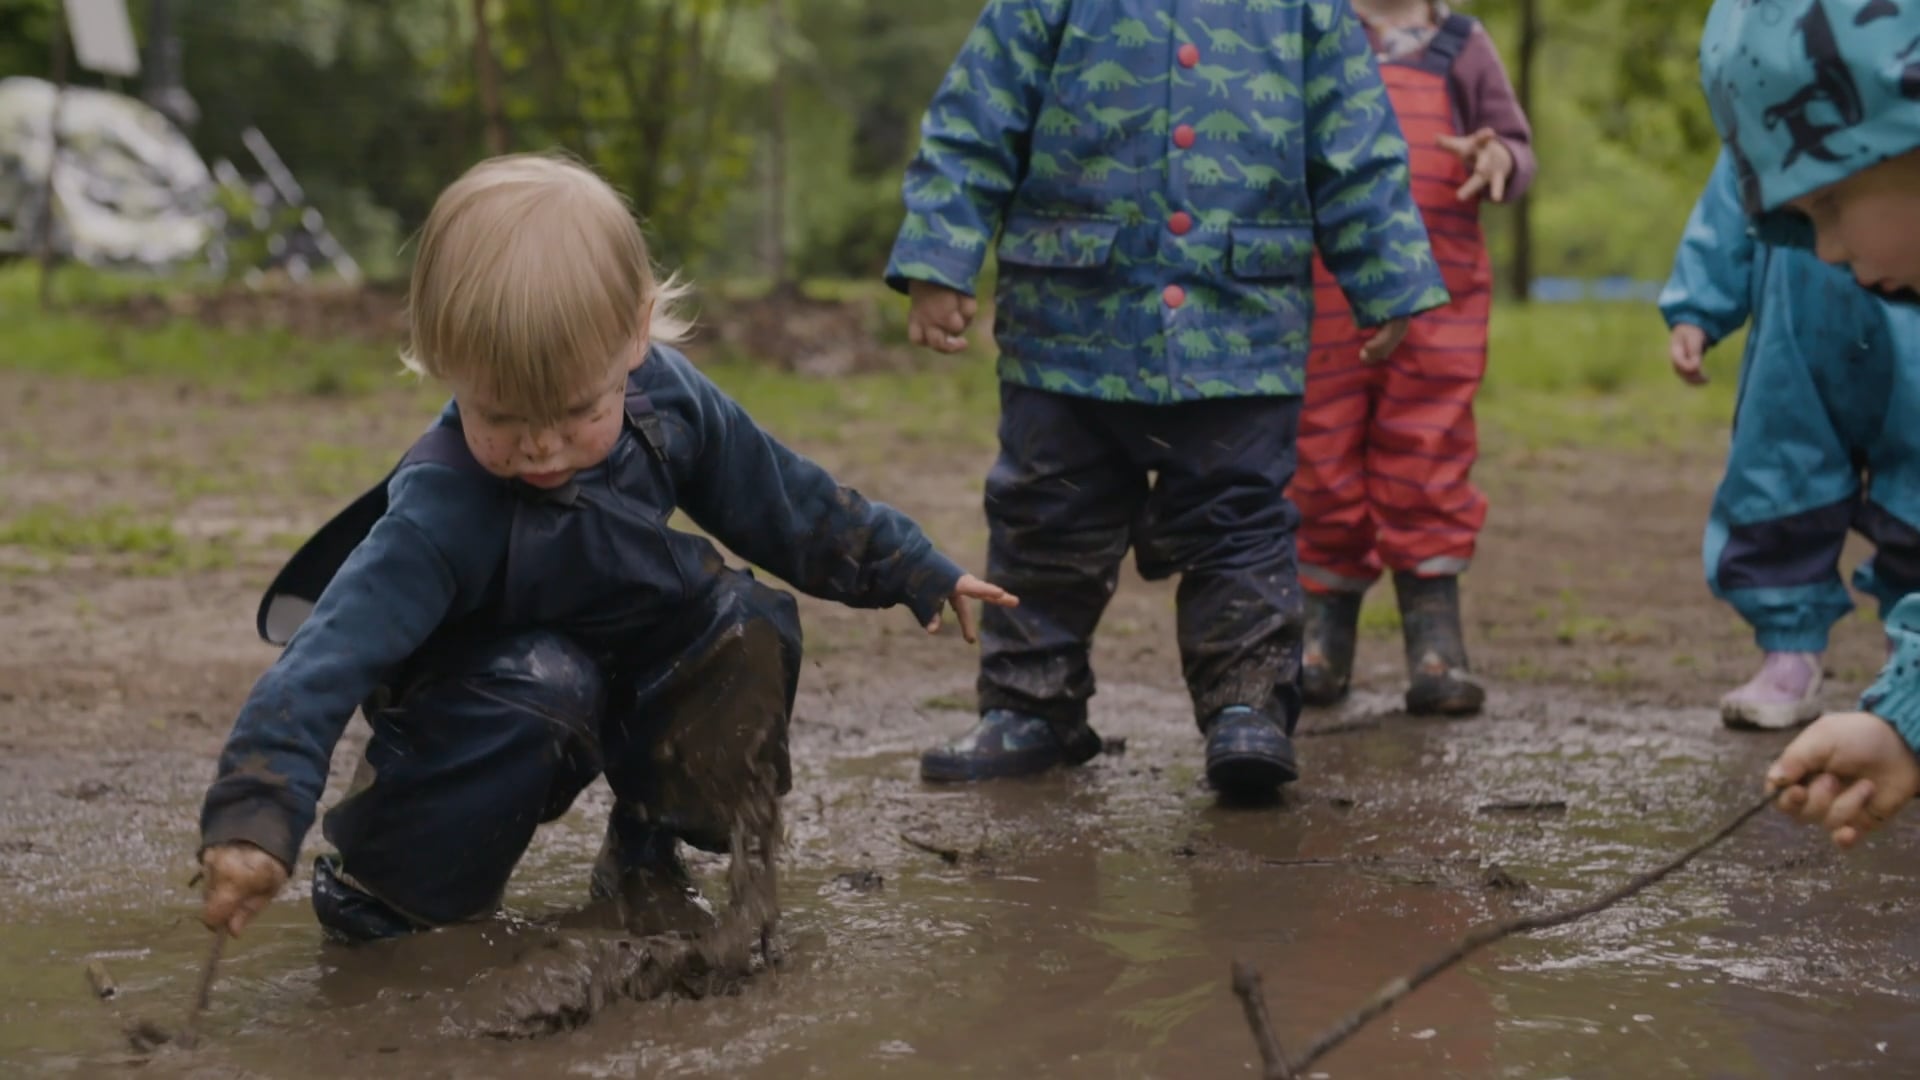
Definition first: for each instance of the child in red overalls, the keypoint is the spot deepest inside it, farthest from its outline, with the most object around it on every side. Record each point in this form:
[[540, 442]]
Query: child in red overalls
[[1386, 448]]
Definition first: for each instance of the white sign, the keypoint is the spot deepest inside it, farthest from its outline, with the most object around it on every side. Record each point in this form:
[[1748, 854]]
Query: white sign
[[103, 36]]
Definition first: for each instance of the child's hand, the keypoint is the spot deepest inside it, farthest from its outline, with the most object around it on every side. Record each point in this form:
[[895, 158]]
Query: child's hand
[[972, 588], [1848, 773], [241, 880], [1489, 159], [939, 316], [1687, 348], [1381, 344]]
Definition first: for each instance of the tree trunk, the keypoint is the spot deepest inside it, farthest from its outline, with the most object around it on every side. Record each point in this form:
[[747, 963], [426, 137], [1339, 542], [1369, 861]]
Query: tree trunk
[[488, 77], [778, 267], [1523, 211]]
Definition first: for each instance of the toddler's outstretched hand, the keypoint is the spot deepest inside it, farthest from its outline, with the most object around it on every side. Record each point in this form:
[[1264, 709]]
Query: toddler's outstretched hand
[[1686, 349], [972, 588], [939, 316], [241, 881], [1487, 158], [1848, 773]]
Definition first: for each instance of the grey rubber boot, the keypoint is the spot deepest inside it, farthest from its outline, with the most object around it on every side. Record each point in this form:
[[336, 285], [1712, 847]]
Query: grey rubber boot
[[1441, 682]]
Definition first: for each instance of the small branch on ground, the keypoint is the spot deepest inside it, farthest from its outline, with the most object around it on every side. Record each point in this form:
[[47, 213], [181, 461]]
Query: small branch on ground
[[1525, 806], [950, 856], [1389, 995], [1246, 986]]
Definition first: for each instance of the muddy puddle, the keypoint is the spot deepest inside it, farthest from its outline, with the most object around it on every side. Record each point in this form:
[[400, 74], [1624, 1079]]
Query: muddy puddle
[[1074, 925]]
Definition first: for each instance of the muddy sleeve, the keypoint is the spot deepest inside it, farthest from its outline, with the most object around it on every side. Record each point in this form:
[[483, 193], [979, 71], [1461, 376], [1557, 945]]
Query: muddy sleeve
[[1487, 100], [1895, 696], [1712, 281], [430, 556], [1368, 231], [974, 140], [783, 512]]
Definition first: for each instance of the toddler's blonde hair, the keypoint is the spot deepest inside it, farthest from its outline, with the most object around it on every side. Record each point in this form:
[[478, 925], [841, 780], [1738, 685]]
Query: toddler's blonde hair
[[530, 280]]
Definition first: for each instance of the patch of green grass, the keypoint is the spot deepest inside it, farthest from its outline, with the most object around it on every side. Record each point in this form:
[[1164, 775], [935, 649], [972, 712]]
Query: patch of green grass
[[1380, 615], [139, 545], [341, 469]]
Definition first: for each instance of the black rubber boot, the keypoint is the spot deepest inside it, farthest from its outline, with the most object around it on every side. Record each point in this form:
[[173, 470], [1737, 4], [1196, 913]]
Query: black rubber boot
[[1248, 755], [347, 914], [1326, 659], [1441, 683], [640, 870], [1006, 743]]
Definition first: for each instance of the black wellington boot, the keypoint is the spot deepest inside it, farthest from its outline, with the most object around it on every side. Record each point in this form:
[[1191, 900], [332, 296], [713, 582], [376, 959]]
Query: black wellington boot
[[1441, 683]]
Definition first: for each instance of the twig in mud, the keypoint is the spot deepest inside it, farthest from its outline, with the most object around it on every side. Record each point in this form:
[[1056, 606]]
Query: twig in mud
[[203, 994], [1346, 727], [950, 856], [1246, 987], [1389, 995], [101, 982], [1525, 806], [1373, 860]]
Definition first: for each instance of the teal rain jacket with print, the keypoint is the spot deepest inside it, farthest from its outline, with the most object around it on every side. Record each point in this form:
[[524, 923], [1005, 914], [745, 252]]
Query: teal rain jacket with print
[[1156, 174]]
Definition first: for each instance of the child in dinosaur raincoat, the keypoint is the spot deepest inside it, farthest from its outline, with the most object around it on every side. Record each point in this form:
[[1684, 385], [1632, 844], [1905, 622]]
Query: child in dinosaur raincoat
[[1153, 177], [1387, 447], [1818, 102], [1818, 448]]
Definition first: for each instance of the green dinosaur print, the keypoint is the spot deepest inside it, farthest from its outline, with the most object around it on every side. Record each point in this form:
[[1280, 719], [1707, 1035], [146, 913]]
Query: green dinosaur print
[[1270, 253], [1257, 175], [1272, 86], [1044, 166], [937, 187], [1134, 34], [1216, 78], [1278, 128], [1204, 170], [1030, 65], [1417, 252], [1351, 236], [1389, 145], [1219, 219], [983, 44], [1356, 67], [1373, 271], [1321, 88], [1025, 294], [1111, 387], [922, 271], [1150, 303], [1179, 32], [1001, 98], [1435, 296], [1162, 122], [1297, 340], [1322, 13], [1273, 384], [1056, 381], [1046, 246], [915, 227], [1370, 102], [1290, 47], [1068, 300], [1160, 386], [1407, 218], [1109, 75], [1098, 168], [1160, 203], [959, 127], [1109, 308], [1342, 161], [1238, 343], [1087, 245], [960, 80], [1074, 33], [1198, 344], [1113, 119], [1091, 341], [988, 173], [964, 237], [1333, 124], [1055, 120], [1034, 24], [1268, 5], [1054, 8], [1128, 211], [1221, 124], [1205, 255], [1226, 42], [1356, 194], [1212, 388]]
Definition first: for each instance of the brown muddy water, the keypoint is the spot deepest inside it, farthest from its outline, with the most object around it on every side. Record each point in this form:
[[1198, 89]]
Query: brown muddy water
[[1086, 928]]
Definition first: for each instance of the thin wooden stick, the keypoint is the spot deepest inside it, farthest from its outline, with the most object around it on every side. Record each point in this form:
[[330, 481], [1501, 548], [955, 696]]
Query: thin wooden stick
[[1246, 986], [203, 994], [1389, 995]]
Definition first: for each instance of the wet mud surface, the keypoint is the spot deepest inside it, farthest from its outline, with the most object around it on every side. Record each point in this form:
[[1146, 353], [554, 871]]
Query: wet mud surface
[[1079, 924]]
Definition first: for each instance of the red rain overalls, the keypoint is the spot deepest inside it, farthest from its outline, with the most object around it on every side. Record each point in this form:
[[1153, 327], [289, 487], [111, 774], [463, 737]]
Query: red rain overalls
[[1386, 449]]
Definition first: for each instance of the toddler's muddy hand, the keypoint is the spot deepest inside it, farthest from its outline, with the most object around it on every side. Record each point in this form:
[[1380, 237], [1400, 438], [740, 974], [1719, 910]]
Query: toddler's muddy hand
[[1381, 344], [1848, 773], [241, 880], [967, 589], [939, 316]]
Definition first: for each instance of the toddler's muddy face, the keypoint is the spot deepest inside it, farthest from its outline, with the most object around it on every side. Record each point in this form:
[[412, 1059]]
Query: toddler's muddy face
[[545, 453]]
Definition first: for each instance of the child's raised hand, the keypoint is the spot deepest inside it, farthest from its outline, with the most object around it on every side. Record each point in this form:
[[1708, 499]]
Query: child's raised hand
[[1847, 773], [241, 880], [1384, 341], [972, 588], [1487, 157], [939, 316], [1687, 349]]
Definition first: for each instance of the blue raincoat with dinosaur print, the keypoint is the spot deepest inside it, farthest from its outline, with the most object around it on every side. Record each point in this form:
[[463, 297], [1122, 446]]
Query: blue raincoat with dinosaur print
[[1153, 176]]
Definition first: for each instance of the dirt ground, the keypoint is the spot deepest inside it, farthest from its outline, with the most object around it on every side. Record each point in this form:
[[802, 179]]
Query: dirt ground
[[1085, 925]]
